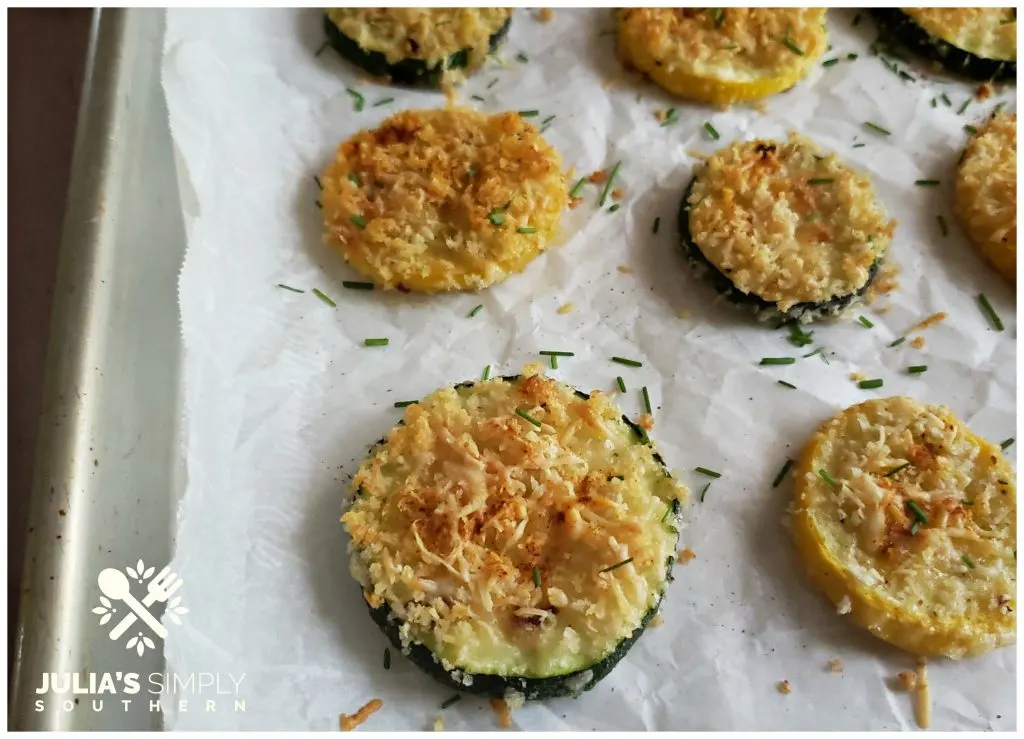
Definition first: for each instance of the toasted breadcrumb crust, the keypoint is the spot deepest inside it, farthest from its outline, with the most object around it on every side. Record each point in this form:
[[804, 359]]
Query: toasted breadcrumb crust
[[348, 723], [786, 223], [919, 531], [467, 504], [430, 35], [432, 200], [987, 32], [784, 687], [986, 193], [834, 665], [722, 55]]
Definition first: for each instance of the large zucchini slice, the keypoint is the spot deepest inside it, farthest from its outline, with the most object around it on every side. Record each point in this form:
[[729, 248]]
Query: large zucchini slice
[[441, 200], [779, 228], [908, 522], [417, 47], [986, 193], [980, 43], [513, 537], [722, 55]]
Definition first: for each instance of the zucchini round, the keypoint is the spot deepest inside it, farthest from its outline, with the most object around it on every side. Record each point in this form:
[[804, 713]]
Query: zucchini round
[[722, 55], [441, 200], [508, 559], [980, 43], [908, 522], [782, 230], [986, 193], [417, 47]]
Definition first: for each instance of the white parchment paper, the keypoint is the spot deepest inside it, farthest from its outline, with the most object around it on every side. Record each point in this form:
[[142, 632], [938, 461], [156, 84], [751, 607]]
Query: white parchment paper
[[282, 400]]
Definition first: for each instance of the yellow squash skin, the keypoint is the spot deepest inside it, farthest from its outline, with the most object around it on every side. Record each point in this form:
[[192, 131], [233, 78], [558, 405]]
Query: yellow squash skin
[[914, 590], [722, 55]]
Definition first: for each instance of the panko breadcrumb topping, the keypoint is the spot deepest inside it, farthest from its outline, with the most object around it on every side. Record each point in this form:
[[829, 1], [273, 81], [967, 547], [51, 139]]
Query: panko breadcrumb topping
[[787, 223], [434, 200], [784, 687]]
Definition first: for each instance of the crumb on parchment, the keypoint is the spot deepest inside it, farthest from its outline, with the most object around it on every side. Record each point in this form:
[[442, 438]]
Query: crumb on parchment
[[656, 621], [845, 606], [984, 92], [646, 422], [625, 269], [784, 687], [918, 342], [545, 15], [685, 555], [565, 308], [598, 176], [618, 193], [857, 376], [932, 320], [907, 680], [439, 723], [834, 665], [574, 203], [348, 723], [503, 712]]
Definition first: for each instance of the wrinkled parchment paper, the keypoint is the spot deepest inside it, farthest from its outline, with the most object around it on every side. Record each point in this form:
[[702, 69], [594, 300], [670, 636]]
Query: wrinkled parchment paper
[[282, 400]]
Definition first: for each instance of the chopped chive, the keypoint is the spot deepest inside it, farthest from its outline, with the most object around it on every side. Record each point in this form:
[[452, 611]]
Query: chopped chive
[[990, 314], [869, 384], [916, 369], [451, 701], [865, 322], [790, 385], [492, 83], [896, 469], [820, 181], [288, 287], [647, 400], [1007, 443], [782, 473], [670, 118], [476, 310], [926, 183], [704, 491], [351, 285], [711, 131], [476, 97], [706, 471], [323, 46], [668, 512], [536, 576], [375, 342], [933, 102], [578, 187], [915, 509], [487, 373], [878, 129], [777, 360], [627, 362], [718, 15], [358, 220], [319, 184], [966, 559], [788, 43], [318, 204], [829, 62], [824, 475], [945, 98], [970, 129], [529, 113], [387, 658], [526, 416], [858, 146], [942, 225], [856, 19], [963, 107], [526, 230], [905, 76], [358, 101], [898, 341], [623, 563], [383, 101], [548, 120], [657, 224], [554, 362], [353, 177], [622, 384], [608, 184], [324, 298], [967, 502], [614, 208], [404, 403], [496, 216], [553, 353], [851, 57], [522, 57]]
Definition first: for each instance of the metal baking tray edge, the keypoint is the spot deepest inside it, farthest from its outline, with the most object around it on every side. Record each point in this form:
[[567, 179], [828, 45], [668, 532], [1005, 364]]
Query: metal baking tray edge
[[109, 466]]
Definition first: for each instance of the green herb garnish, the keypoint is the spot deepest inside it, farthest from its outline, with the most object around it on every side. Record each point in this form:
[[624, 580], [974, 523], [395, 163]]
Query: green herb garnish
[[670, 118], [578, 187], [851, 57], [358, 101], [492, 83], [451, 701], [647, 400], [970, 129], [706, 471], [621, 383], [782, 473], [476, 310], [358, 220], [828, 478], [915, 509], [323, 46], [942, 225], [383, 101], [288, 287], [319, 184], [536, 576], [865, 322], [318, 204], [704, 491], [476, 97], [351, 285], [529, 113], [627, 362], [387, 658], [376, 342], [526, 230], [487, 373], [553, 353], [496, 216], [548, 120], [614, 208], [657, 224], [945, 98], [324, 298], [777, 360], [526, 416], [896, 469], [1007, 443], [608, 184], [522, 57], [718, 15], [820, 181], [916, 369], [554, 361], [404, 403], [878, 129], [926, 183], [616, 566], [898, 341], [869, 384], [711, 131], [799, 337], [858, 146], [788, 43], [990, 313], [966, 559], [790, 385], [829, 62], [963, 107]]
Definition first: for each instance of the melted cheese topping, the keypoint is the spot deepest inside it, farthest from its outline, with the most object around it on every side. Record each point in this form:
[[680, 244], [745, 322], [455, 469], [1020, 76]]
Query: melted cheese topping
[[433, 199], [928, 552], [990, 33], [432, 35], [467, 504], [986, 193], [684, 48], [786, 223]]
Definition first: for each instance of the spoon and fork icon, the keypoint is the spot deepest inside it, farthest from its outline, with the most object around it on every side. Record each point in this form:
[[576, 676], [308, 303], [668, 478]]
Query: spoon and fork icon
[[115, 585]]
